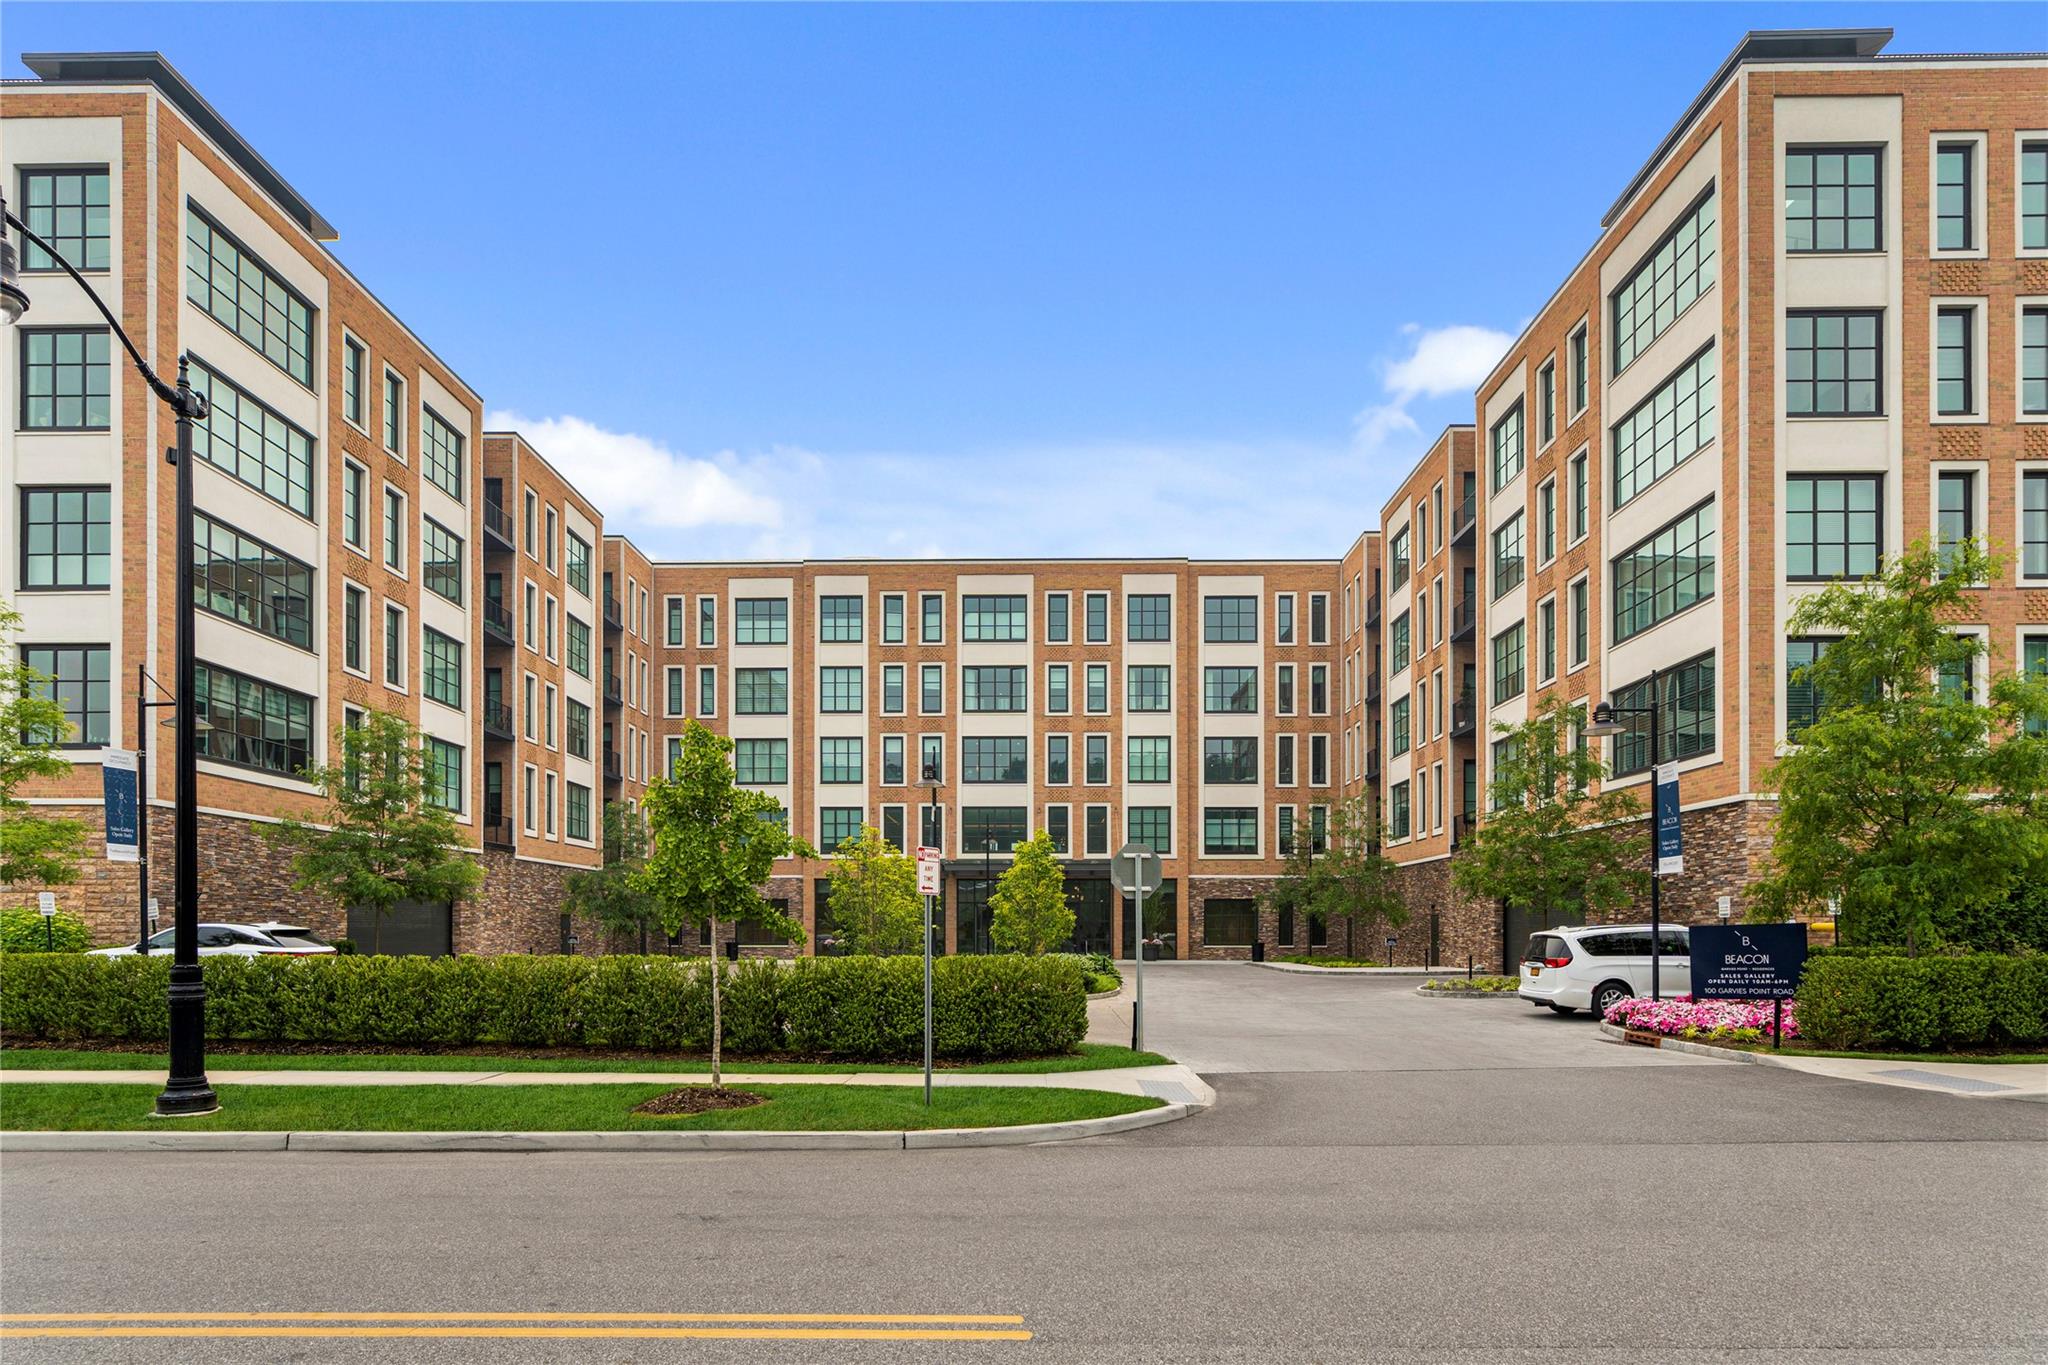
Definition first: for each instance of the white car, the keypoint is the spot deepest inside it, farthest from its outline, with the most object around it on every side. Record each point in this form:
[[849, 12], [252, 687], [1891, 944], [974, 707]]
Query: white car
[[1598, 966], [268, 939]]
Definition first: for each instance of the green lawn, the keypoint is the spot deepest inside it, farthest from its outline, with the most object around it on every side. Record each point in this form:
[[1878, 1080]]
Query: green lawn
[[549, 1108], [1091, 1057]]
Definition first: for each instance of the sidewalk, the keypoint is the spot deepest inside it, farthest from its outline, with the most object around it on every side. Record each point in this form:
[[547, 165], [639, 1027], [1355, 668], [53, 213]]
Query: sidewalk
[[1978, 1080], [1173, 1083]]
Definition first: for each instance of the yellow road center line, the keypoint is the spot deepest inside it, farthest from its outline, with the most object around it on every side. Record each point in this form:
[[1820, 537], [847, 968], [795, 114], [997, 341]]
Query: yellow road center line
[[923, 1319], [552, 1333]]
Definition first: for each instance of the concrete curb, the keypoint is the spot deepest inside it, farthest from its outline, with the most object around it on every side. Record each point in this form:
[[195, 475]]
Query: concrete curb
[[1620, 1035], [1465, 995], [1348, 971], [643, 1141]]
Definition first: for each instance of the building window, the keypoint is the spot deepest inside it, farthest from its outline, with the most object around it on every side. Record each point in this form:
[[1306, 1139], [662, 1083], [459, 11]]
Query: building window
[[1580, 379], [1149, 616], [892, 689], [839, 690], [1954, 196], [993, 758], [1505, 442], [1665, 429], [579, 812], [71, 209], [441, 560], [707, 691], [1508, 556], [1229, 831], [892, 618], [1230, 691], [1230, 759], [931, 608], [1397, 725], [2034, 524], [1955, 512], [993, 829], [1283, 619], [760, 621], [1546, 640], [999, 687], [394, 426], [1148, 758], [250, 442], [839, 620], [931, 679], [1832, 198], [1283, 760], [1283, 690], [1546, 521], [2034, 361], [1096, 608], [1096, 831], [1581, 497], [707, 621], [1151, 826], [1677, 270], [1834, 525], [1058, 689], [1508, 647], [1397, 559], [1058, 760], [444, 778], [548, 540], [892, 760], [1546, 403], [577, 727], [354, 496], [66, 538], [1056, 624], [1665, 573], [1685, 717], [247, 298], [993, 619], [2034, 662], [394, 645], [441, 667], [1095, 760], [1802, 698], [839, 760], [1834, 364], [1230, 620], [254, 724], [79, 683], [1954, 386], [837, 825], [66, 379], [1399, 816], [355, 606], [579, 657], [761, 691], [1319, 689], [579, 579], [1229, 922], [354, 363], [246, 581], [1319, 618], [1148, 687]]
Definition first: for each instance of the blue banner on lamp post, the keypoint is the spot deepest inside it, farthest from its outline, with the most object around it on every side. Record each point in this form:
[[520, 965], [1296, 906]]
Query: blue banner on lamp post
[[117, 775], [1670, 839]]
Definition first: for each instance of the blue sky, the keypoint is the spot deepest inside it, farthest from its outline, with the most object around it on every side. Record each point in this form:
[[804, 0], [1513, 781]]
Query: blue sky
[[971, 280]]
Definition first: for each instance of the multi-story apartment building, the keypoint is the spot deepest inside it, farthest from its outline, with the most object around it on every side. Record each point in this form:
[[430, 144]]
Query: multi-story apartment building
[[1813, 328]]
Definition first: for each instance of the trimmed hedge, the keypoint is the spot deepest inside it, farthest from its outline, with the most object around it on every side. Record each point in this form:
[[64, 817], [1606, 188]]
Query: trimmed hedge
[[1921, 1004], [26, 930], [860, 1008]]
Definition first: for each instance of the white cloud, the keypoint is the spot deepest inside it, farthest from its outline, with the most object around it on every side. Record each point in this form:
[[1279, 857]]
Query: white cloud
[[1440, 362], [643, 481]]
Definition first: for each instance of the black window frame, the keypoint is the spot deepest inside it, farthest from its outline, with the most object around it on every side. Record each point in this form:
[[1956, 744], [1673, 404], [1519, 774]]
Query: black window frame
[[57, 493], [83, 734], [215, 385], [1508, 426], [1148, 688], [445, 685], [749, 684], [270, 276], [1230, 760], [1230, 831], [1230, 690], [1813, 151], [1148, 617], [1509, 571], [44, 225], [204, 527], [87, 367], [1632, 311], [1814, 348], [995, 618], [995, 759], [1154, 763], [436, 575], [1010, 690], [1638, 609], [841, 618], [1631, 752], [223, 741], [751, 615], [1509, 683], [1812, 541], [1227, 617], [842, 761], [1967, 216], [1965, 354], [1651, 435], [842, 689], [2034, 524]]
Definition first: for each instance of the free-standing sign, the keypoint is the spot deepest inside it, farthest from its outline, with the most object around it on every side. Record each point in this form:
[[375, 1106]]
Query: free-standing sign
[[1670, 840], [46, 903], [117, 781], [928, 871], [1747, 961]]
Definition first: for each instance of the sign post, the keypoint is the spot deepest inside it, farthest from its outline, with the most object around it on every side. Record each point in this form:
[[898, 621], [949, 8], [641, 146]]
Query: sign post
[[46, 905], [1135, 870], [1749, 962], [929, 870]]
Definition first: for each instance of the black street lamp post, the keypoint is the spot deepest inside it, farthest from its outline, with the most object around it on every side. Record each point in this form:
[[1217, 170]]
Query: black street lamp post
[[186, 1091], [1607, 722]]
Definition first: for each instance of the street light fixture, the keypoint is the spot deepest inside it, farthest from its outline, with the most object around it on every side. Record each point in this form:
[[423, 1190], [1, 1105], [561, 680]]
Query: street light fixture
[[1607, 723], [186, 1090], [928, 779]]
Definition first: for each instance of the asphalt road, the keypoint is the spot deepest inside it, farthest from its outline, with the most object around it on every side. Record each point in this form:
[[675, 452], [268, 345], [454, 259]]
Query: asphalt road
[[1384, 1178]]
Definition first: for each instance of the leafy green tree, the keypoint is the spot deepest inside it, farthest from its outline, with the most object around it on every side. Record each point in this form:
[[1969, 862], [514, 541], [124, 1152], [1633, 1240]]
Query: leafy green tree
[[384, 839], [715, 844], [875, 907], [608, 893], [1918, 800], [1348, 877], [1029, 906], [1550, 843], [35, 849]]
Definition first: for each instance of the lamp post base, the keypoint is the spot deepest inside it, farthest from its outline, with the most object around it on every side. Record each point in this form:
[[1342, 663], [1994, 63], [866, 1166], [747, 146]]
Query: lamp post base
[[187, 1093]]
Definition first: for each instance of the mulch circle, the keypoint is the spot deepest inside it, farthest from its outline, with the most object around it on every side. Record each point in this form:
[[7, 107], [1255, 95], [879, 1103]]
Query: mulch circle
[[698, 1099]]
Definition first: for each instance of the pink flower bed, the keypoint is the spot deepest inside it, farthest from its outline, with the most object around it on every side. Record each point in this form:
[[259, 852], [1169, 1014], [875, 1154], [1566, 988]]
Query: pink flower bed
[[1684, 1017]]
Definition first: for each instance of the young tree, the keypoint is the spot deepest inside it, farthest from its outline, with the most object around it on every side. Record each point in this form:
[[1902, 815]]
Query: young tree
[[714, 845], [1029, 904], [1547, 844], [1917, 799], [875, 907], [35, 849], [384, 839], [609, 893], [1348, 877]]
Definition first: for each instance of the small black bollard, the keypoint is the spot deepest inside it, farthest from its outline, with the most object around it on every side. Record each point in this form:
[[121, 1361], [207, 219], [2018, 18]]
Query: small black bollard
[[1258, 950], [1468, 966], [732, 950]]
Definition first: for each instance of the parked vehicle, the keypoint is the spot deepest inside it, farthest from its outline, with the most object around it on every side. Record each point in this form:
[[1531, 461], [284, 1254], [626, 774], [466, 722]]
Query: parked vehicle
[[1600, 965], [269, 938]]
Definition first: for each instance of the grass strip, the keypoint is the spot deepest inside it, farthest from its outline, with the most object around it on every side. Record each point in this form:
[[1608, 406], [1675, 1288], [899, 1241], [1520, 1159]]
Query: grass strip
[[549, 1108], [1090, 1057]]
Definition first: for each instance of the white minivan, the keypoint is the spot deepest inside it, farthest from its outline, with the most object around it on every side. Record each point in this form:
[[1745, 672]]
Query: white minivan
[[1600, 965]]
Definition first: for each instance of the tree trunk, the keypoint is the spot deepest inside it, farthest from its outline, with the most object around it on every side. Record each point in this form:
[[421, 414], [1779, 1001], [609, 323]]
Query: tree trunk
[[717, 1077]]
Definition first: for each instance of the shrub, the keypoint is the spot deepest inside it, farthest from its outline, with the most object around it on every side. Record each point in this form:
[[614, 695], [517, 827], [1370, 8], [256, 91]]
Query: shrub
[[26, 930], [859, 1008], [1924, 1004], [1681, 1016]]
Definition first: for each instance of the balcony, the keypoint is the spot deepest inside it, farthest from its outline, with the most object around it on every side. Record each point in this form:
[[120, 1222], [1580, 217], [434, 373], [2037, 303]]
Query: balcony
[[497, 622], [614, 766], [497, 719], [614, 692], [1463, 618], [614, 618], [1372, 763], [1372, 686], [1372, 612], [1463, 518], [497, 527], [1460, 826], [498, 833], [1464, 716]]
